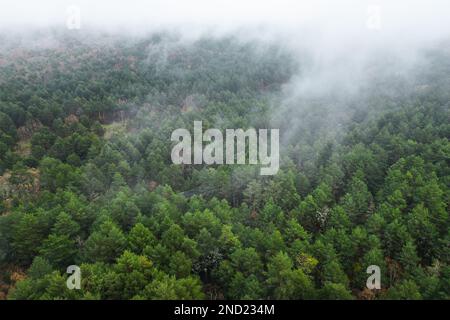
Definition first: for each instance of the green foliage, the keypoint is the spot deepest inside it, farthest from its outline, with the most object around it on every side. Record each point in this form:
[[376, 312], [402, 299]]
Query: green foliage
[[363, 180], [105, 244]]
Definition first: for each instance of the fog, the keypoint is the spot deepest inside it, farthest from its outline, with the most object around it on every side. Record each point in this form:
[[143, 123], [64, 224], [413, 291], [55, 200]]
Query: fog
[[413, 19], [346, 43], [330, 29]]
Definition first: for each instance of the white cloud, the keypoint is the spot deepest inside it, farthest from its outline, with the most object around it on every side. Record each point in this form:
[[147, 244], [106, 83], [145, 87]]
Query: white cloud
[[419, 17]]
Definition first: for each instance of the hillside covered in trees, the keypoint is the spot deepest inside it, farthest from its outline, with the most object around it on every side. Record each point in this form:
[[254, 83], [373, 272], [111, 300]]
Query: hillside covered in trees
[[86, 176]]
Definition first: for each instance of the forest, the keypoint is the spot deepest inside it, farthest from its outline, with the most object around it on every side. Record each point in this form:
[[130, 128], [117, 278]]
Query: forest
[[86, 176]]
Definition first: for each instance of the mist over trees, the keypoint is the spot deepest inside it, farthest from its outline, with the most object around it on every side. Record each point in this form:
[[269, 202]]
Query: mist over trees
[[86, 176]]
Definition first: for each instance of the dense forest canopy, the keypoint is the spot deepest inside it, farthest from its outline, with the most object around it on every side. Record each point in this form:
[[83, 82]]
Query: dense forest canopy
[[86, 176]]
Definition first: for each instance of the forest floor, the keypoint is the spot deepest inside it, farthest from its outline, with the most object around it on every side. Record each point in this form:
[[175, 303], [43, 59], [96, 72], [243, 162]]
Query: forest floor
[[23, 147], [116, 127]]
